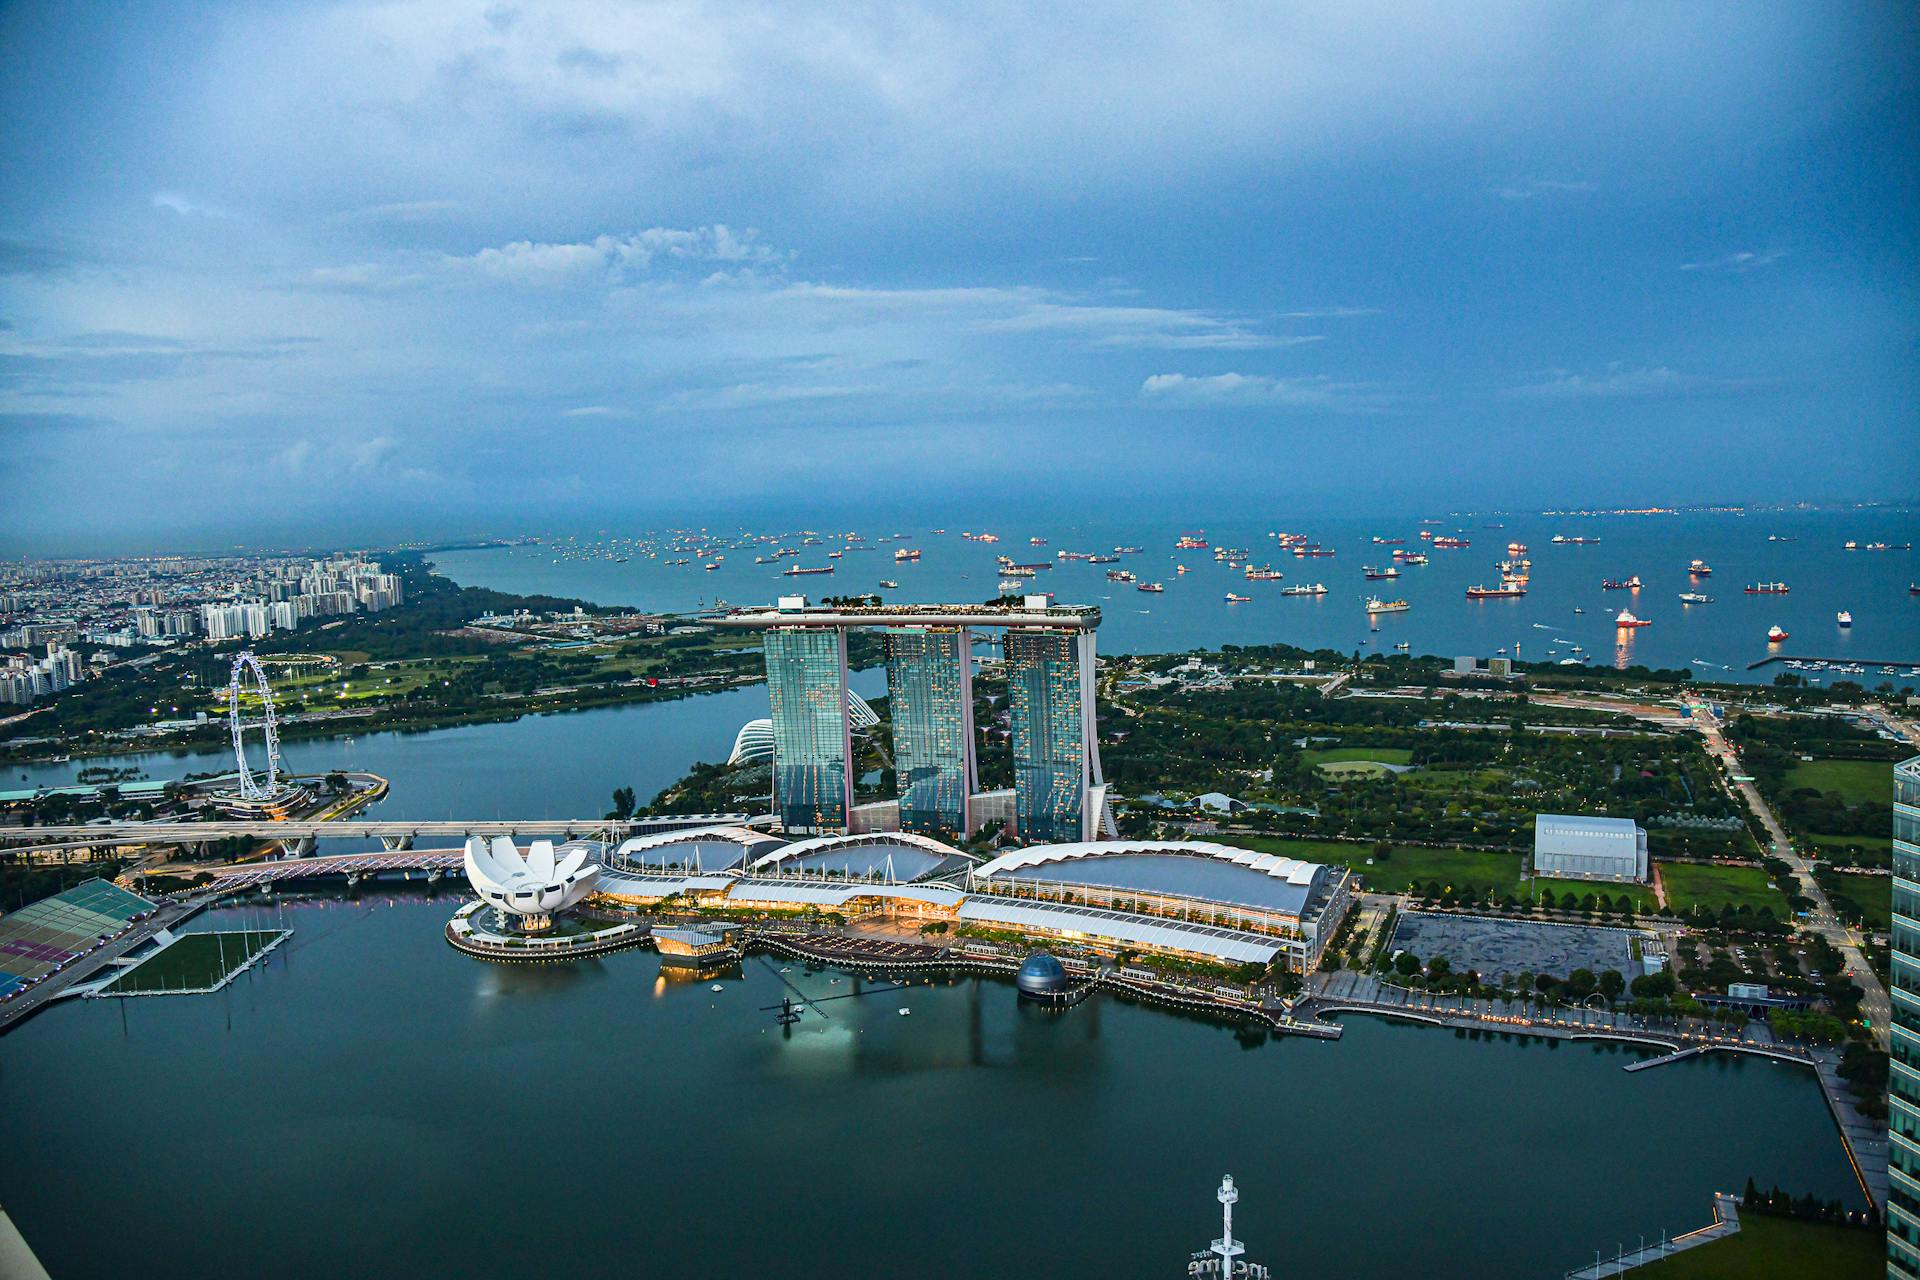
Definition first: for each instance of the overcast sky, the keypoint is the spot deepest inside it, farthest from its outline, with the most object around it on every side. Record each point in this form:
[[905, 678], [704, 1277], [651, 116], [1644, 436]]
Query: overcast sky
[[289, 271]]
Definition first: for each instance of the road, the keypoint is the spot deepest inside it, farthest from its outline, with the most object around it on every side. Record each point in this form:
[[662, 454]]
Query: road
[[1821, 919]]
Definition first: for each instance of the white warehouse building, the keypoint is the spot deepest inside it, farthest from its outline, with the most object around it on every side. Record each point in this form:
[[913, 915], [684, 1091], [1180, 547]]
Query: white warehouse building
[[1581, 848]]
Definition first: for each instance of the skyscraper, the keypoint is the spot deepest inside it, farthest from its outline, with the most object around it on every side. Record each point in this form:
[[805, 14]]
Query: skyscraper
[[1050, 687], [930, 697], [1903, 1119], [806, 686]]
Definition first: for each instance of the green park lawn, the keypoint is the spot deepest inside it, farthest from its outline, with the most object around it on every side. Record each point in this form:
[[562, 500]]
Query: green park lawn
[[1378, 755], [1857, 781], [193, 962], [1408, 865], [1779, 1249], [1693, 884]]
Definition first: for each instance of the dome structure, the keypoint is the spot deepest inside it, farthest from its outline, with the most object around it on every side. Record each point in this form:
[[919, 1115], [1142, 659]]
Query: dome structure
[[1042, 977], [532, 887]]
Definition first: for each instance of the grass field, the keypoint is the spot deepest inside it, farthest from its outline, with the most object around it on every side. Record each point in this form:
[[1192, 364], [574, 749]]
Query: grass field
[[1690, 885], [1882, 843], [194, 962], [1407, 866], [1779, 1249], [1857, 781], [1378, 755]]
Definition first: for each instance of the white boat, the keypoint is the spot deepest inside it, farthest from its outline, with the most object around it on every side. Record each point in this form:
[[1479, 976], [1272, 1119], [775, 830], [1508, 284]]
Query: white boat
[[1844, 617]]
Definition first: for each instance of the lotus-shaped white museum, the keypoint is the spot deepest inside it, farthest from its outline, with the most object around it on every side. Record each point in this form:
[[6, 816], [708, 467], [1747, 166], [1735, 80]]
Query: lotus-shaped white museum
[[532, 887]]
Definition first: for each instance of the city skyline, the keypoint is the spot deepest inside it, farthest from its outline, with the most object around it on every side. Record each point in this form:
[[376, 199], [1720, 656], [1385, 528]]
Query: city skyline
[[526, 261]]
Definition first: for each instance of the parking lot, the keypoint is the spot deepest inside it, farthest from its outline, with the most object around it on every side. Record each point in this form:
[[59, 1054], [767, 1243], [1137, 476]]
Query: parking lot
[[1515, 946]]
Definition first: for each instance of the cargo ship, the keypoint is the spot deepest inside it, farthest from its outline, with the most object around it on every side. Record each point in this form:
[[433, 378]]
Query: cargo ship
[[1305, 589], [1621, 584], [1411, 557], [1263, 575], [1312, 552], [1563, 540], [1379, 541], [1126, 551], [794, 571], [1119, 575], [1516, 548], [1502, 591], [1627, 622], [1190, 542], [1767, 588], [981, 537], [1103, 559], [1234, 599], [1036, 542], [1452, 543], [1694, 597], [1374, 575], [1153, 587], [1776, 633], [1376, 605], [1699, 569], [889, 584], [906, 553]]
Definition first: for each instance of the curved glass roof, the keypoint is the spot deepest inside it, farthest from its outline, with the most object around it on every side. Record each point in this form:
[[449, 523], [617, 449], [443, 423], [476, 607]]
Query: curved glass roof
[[1184, 875], [901, 861], [690, 855]]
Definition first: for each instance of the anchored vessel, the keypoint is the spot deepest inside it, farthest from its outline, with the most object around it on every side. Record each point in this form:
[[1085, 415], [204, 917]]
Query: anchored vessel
[[1376, 605]]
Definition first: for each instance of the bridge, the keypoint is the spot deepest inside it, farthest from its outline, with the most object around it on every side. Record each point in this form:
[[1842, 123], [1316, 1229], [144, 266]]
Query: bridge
[[302, 833]]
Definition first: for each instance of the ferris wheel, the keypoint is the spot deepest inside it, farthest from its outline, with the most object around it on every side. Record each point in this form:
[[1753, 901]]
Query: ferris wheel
[[252, 788]]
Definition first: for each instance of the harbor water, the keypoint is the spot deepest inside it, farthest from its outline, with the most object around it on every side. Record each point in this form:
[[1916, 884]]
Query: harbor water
[[370, 1101]]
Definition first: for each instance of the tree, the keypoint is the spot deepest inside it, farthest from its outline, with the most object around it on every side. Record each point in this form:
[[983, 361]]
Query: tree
[[624, 803], [1612, 984], [1580, 983], [1439, 967], [1405, 963], [337, 783]]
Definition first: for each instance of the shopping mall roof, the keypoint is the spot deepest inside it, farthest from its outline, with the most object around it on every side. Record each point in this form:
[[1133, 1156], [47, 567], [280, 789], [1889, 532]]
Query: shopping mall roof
[[894, 856], [802, 893], [1228, 945], [50, 932], [698, 850], [1179, 868]]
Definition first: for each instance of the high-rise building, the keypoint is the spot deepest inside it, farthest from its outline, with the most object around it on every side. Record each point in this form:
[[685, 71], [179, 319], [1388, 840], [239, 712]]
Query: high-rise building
[[1050, 687], [806, 687], [930, 697], [1057, 793], [1903, 1119]]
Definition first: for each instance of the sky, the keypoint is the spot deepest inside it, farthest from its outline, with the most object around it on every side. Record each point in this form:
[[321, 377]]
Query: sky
[[278, 273]]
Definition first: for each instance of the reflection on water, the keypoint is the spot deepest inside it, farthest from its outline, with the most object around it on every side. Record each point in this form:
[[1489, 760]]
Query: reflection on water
[[364, 1072]]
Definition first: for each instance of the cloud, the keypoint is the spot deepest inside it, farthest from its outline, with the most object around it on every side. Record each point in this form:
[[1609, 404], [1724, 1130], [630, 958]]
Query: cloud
[[592, 411], [1735, 263], [1533, 188], [174, 202], [530, 262], [1253, 390], [368, 454], [1141, 327], [755, 395], [1619, 383]]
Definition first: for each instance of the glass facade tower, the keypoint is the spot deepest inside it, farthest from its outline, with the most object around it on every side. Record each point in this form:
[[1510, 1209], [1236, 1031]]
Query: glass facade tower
[[1903, 1119], [930, 697], [807, 689], [1047, 684]]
